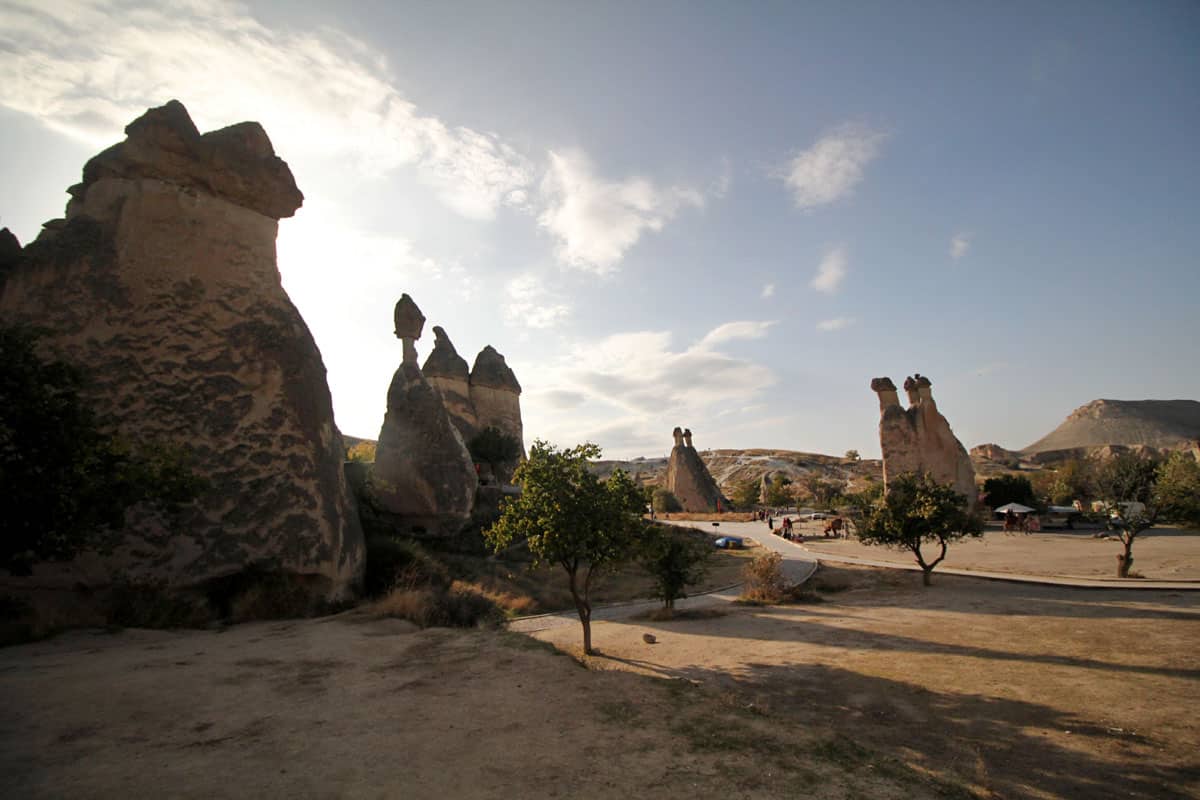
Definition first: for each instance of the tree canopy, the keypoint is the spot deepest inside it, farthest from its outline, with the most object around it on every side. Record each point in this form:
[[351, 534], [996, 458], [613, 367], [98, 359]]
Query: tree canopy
[[1177, 489], [570, 518], [918, 511], [675, 559], [1004, 489]]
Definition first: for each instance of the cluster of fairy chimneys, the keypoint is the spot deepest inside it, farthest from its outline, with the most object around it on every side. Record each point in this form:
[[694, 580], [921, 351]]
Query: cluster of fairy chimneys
[[683, 438], [916, 386]]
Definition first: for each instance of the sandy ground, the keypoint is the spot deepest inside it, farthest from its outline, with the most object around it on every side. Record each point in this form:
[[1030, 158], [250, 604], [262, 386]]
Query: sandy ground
[[1164, 553], [970, 688]]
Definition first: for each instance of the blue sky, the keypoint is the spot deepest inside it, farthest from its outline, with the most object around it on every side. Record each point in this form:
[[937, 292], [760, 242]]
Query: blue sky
[[705, 215]]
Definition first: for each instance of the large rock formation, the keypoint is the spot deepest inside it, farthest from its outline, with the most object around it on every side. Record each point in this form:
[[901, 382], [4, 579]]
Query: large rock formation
[[1159, 424], [688, 479], [447, 371], [496, 399], [423, 473], [162, 282], [918, 439]]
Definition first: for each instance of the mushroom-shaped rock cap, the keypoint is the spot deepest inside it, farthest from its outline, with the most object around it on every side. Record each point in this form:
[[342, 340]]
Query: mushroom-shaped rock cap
[[409, 319], [237, 164], [882, 385], [922, 381], [444, 361], [10, 249], [490, 370]]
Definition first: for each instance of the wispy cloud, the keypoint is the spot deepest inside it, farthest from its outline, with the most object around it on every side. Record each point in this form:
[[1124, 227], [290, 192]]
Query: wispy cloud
[[831, 271], [960, 244], [87, 68], [768, 290], [832, 167], [635, 384], [835, 324], [530, 304], [596, 220]]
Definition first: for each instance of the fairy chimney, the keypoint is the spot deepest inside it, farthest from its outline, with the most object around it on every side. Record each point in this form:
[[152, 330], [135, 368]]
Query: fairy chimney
[[689, 480], [447, 371]]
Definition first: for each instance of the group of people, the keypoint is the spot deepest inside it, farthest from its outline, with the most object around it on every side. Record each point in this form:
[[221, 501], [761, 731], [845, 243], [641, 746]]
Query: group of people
[[1025, 523]]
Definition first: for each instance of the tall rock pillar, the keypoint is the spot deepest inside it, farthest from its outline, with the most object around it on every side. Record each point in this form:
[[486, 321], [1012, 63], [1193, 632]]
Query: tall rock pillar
[[689, 480], [496, 398]]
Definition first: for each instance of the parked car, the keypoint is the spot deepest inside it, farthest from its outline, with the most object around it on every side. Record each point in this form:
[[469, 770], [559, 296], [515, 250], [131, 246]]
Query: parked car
[[730, 543], [817, 515]]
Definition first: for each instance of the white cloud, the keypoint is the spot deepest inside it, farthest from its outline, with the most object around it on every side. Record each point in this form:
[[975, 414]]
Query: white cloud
[[959, 245], [831, 168], [730, 331], [835, 324], [596, 220], [831, 271], [768, 290], [87, 68], [532, 305], [627, 391]]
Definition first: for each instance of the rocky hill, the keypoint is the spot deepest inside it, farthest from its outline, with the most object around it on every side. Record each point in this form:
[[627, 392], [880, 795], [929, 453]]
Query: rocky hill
[[1138, 424]]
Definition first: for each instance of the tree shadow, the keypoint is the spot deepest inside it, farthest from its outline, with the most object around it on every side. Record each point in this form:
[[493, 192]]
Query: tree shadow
[[1012, 748]]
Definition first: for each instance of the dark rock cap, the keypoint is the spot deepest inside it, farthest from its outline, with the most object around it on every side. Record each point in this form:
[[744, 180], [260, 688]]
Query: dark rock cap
[[237, 163], [882, 385], [10, 249], [490, 370], [444, 361], [408, 318]]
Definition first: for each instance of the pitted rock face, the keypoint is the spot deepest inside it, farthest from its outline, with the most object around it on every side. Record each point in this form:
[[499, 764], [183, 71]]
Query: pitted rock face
[[496, 398], [444, 361], [162, 282], [237, 164], [408, 318]]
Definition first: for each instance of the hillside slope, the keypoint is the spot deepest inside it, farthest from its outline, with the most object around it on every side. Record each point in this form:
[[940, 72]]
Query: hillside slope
[[1160, 424]]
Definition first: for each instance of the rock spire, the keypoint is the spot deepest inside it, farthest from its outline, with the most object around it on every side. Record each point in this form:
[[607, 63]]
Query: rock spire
[[689, 480]]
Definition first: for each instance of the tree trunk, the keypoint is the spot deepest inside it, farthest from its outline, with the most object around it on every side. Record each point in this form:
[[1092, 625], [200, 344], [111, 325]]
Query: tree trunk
[[927, 576], [584, 609], [1125, 560]]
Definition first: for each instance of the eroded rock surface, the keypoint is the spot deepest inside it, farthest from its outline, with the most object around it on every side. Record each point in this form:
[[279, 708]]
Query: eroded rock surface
[[496, 398], [919, 439], [689, 480], [423, 473], [162, 281], [448, 373]]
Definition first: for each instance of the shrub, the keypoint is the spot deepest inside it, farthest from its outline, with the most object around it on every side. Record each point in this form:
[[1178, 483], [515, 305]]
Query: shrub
[[764, 579], [458, 606], [392, 562]]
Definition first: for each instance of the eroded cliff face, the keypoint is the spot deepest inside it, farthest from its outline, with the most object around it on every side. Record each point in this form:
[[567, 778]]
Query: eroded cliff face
[[162, 281], [423, 474], [919, 439], [447, 371], [689, 480]]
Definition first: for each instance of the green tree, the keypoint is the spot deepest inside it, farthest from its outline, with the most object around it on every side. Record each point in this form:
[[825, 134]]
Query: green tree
[[663, 501], [778, 493], [863, 502], [675, 560], [1177, 489], [569, 517], [65, 484], [495, 448], [745, 494], [1066, 483], [1004, 489], [821, 491], [915, 511], [852, 455], [1126, 487]]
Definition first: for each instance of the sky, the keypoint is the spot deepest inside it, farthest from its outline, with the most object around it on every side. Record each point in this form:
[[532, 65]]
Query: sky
[[722, 216]]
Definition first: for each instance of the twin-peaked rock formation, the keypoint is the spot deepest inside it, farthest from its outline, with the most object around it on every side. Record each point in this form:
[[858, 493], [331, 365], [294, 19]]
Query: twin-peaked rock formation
[[162, 282], [918, 439], [689, 480], [423, 473]]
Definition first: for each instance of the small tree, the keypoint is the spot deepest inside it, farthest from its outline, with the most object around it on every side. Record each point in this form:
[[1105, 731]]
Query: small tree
[[745, 494], [852, 455], [917, 510], [1177, 489], [778, 493], [675, 560], [495, 448], [363, 452], [570, 518], [1004, 489], [823, 492], [664, 501], [1126, 487]]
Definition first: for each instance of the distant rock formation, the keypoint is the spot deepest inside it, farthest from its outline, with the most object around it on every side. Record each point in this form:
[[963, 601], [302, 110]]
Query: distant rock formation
[[423, 473], [162, 281], [688, 479], [1161, 425], [996, 454], [918, 439], [764, 488]]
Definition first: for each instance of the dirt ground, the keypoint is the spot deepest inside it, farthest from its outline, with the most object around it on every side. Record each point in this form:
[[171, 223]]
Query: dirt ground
[[970, 688], [1161, 553]]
